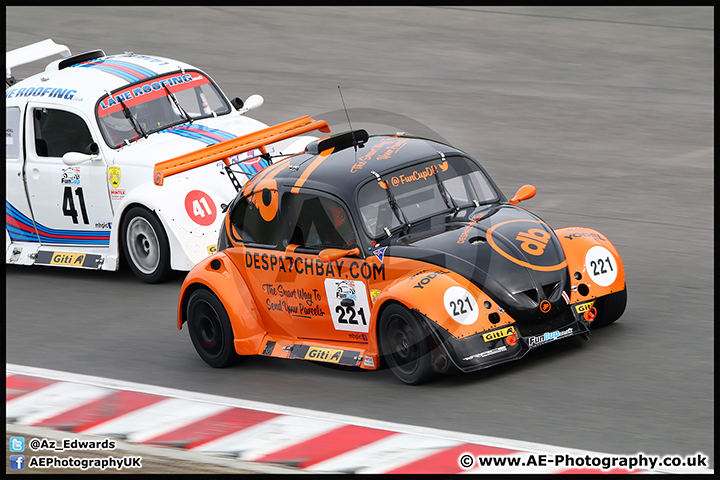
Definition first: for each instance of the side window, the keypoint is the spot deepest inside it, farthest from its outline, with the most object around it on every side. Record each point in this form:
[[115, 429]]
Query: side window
[[12, 132], [58, 132], [254, 221], [317, 222]]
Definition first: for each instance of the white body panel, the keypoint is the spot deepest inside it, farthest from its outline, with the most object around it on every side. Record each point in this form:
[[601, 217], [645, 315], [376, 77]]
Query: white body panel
[[56, 207]]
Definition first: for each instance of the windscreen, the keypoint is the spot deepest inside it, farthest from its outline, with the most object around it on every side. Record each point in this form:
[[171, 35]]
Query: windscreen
[[421, 191], [158, 103]]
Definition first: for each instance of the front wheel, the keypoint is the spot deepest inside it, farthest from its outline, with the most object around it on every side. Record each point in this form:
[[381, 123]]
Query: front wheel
[[145, 245], [210, 329], [404, 345]]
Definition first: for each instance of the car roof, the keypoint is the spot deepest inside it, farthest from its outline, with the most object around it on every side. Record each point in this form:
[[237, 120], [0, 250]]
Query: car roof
[[89, 79], [341, 172]]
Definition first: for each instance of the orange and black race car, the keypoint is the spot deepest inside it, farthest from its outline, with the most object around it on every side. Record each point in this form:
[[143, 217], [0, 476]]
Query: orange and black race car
[[388, 250]]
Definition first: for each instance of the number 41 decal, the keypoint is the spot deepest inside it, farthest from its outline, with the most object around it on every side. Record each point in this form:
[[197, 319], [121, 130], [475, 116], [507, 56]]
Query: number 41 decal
[[68, 204]]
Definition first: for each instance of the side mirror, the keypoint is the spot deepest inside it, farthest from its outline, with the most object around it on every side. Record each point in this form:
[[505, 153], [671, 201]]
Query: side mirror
[[237, 103], [253, 102], [332, 254], [75, 158], [524, 193]]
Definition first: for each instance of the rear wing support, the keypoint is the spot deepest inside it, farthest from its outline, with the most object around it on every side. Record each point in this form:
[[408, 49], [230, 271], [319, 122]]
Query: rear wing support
[[224, 150], [31, 53]]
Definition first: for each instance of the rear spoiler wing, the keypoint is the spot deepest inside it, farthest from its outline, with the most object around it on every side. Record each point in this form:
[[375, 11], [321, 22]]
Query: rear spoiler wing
[[31, 53], [224, 150]]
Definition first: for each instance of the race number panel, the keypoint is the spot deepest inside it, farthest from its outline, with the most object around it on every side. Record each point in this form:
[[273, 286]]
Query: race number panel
[[461, 305], [352, 314], [200, 208], [601, 266]]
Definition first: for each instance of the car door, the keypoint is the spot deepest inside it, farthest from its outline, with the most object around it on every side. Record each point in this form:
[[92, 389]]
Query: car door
[[331, 297], [298, 294], [70, 203], [18, 218]]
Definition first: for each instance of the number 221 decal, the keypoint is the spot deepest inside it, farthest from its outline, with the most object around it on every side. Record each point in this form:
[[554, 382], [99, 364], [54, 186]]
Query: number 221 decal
[[601, 266], [349, 306]]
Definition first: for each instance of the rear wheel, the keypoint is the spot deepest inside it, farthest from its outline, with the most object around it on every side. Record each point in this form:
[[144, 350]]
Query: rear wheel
[[145, 245], [404, 345], [609, 308], [210, 329]]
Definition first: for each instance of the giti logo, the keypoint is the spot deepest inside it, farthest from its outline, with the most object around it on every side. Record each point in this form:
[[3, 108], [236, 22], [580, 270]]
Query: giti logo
[[533, 241], [584, 307], [324, 354], [502, 333], [60, 258]]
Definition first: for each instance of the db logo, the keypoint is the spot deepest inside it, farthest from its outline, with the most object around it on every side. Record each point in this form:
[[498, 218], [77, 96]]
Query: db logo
[[545, 306], [533, 241], [200, 208]]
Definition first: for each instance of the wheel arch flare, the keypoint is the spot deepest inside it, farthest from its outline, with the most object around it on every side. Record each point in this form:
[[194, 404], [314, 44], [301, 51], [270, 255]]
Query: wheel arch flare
[[446, 299], [218, 274], [594, 264]]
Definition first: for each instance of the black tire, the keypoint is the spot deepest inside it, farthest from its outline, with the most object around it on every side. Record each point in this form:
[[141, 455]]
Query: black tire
[[609, 308], [145, 245], [404, 345], [210, 329]]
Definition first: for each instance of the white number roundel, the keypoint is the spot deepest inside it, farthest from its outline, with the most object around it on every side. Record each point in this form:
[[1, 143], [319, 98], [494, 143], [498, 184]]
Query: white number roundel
[[461, 305], [601, 266]]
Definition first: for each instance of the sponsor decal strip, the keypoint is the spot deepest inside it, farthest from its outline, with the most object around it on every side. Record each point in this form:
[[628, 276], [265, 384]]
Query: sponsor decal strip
[[262, 433]]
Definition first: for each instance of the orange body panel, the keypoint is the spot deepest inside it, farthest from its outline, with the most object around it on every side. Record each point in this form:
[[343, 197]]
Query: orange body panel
[[219, 275], [600, 276], [422, 286]]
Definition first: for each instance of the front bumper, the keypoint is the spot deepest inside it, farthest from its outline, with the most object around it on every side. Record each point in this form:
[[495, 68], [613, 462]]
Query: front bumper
[[509, 342]]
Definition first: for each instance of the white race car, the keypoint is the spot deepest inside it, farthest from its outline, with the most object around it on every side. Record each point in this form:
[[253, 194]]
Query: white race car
[[82, 140]]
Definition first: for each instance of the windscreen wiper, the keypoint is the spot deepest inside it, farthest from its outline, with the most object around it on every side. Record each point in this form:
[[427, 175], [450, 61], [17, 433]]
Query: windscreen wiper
[[447, 198], [136, 125], [399, 214], [177, 104]]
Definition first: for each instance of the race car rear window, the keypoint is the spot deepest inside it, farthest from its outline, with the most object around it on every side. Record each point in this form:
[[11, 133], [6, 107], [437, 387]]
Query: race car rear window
[[419, 195], [249, 225], [158, 103], [317, 222]]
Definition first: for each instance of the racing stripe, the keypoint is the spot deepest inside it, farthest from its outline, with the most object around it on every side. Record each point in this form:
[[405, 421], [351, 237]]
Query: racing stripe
[[303, 178], [125, 70], [21, 229], [201, 133]]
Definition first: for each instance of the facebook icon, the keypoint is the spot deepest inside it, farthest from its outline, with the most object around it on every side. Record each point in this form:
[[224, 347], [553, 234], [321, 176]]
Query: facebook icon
[[17, 462]]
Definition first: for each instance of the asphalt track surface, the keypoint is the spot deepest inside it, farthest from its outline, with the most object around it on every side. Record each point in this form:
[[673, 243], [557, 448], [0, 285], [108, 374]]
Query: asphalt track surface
[[609, 112]]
